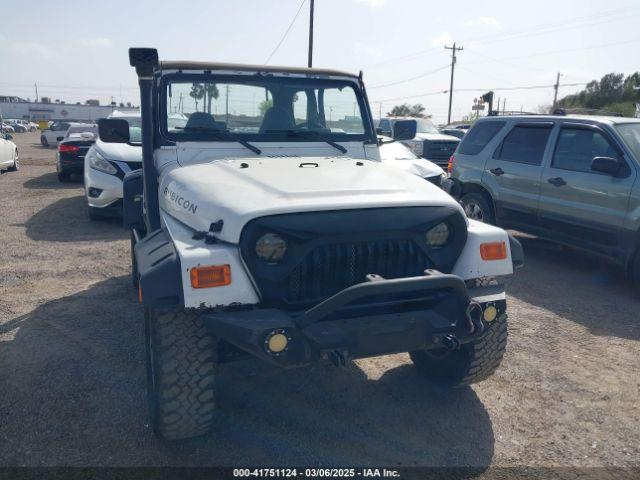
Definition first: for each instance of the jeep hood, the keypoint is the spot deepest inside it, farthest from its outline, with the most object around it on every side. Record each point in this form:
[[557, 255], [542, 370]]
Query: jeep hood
[[239, 190], [119, 151]]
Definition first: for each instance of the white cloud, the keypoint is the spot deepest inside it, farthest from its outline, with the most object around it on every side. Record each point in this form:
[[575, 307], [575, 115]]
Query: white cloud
[[489, 22], [442, 39], [372, 3], [486, 22], [95, 42], [32, 48]]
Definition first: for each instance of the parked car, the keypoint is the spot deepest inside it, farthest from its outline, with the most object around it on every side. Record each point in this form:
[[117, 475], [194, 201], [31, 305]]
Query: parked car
[[8, 153], [571, 179], [428, 142], [6, 128], [105, 166], [453, 132], [72, 150], [398, 155], [17, 125], [56, 132]]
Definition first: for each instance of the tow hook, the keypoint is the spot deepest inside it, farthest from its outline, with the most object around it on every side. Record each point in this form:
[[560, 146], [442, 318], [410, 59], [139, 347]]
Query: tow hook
[[474, 319], [450, 342]]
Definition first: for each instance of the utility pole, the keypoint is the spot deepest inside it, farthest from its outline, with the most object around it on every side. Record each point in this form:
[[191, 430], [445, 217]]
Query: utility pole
[[36, 85], [454, 50], [227, 107], [310, 61], [555, 88]]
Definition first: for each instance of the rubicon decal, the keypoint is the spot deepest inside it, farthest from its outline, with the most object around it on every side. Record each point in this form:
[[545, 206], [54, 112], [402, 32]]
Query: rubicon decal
[[180, 200]]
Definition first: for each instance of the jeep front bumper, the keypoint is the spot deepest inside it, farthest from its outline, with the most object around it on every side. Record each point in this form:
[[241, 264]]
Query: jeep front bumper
[[377, 317]]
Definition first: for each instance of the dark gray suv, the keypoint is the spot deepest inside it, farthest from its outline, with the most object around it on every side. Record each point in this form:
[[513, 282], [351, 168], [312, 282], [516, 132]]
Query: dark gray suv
[[571, 179]]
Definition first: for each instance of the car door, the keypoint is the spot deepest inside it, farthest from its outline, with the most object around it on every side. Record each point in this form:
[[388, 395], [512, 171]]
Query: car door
[[513, 173], [580, 206]]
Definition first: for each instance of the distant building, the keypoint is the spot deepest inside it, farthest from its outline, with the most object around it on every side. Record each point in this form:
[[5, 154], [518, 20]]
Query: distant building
[[16, 107]]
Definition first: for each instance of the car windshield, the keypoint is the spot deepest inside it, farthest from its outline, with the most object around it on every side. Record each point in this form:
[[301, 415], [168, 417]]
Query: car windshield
[[396, 151], [135, 128], [263, 108], [630, 133], [425, 126]]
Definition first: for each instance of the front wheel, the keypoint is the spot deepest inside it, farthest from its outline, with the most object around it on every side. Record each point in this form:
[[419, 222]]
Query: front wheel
[[181, 372], [44, 141], [471, 363], [16, 163], [477, 207]]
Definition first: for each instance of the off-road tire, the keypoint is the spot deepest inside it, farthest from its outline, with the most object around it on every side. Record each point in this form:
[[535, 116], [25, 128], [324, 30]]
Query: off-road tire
[[635, 269], [479, 200], [181, 372], [471, 363], [134, 263]]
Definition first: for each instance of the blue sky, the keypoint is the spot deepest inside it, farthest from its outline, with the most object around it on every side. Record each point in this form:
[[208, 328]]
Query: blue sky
[[77, 50]]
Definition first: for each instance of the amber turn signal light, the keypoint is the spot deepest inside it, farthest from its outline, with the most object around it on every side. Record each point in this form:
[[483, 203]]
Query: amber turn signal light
[[493, 251], [211, 276]]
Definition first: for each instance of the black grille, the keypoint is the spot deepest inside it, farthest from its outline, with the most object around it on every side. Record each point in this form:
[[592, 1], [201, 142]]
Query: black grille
[[327, 269], [438, 150], [328, 251]]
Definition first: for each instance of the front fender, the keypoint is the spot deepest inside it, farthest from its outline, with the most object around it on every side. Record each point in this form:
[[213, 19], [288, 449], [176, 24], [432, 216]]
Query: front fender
[[470, 263]]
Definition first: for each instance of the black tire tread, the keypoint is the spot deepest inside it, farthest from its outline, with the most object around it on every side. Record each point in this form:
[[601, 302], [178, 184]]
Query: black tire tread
[[476, 361], [185, 376]]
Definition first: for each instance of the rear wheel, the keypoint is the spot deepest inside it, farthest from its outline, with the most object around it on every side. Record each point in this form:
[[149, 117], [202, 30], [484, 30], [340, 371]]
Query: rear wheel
[[478, 207], [471, 363], [181, 371], [44, 141]]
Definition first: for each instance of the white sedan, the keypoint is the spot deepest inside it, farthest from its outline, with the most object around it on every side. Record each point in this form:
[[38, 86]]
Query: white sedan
[[400, 156], [8, 153]]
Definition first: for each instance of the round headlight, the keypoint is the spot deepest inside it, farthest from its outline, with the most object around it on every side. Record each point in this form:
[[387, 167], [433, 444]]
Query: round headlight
[[271, 247], [438, 235]]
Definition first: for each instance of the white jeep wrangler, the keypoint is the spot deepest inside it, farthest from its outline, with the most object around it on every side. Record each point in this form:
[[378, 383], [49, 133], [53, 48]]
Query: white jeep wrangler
[[267, 226]]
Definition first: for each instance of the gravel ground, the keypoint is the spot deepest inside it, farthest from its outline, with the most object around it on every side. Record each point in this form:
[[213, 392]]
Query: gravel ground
[[72, 368]]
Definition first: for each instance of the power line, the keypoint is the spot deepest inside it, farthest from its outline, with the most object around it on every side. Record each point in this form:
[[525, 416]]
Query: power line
[[286, 32], [565, 24], [422, 75], [481, 89]]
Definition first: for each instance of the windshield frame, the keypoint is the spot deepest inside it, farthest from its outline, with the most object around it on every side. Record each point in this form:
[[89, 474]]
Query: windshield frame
[[633, 150], [368, 135]]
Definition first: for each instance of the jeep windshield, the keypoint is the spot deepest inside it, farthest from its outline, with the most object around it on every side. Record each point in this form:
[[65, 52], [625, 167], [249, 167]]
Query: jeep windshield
[[264, 108]]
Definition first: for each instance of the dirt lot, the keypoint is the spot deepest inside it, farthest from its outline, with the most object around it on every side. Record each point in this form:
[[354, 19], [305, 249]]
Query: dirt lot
[[72, 374]]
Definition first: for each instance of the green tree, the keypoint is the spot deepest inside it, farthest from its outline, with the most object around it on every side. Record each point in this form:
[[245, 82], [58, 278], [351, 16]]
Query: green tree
[[205, 92], [613, 92], [406, 110], [264, 106]]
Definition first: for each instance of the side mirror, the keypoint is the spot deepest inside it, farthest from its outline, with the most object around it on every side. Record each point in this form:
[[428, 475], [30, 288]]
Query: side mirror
[[113, 130], [404, 129], [607, 165]]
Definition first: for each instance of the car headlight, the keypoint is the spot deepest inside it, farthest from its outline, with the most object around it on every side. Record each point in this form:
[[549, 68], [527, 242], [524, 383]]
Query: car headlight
[[438, 236], [271, 247], [99, 163], [415, 146]]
